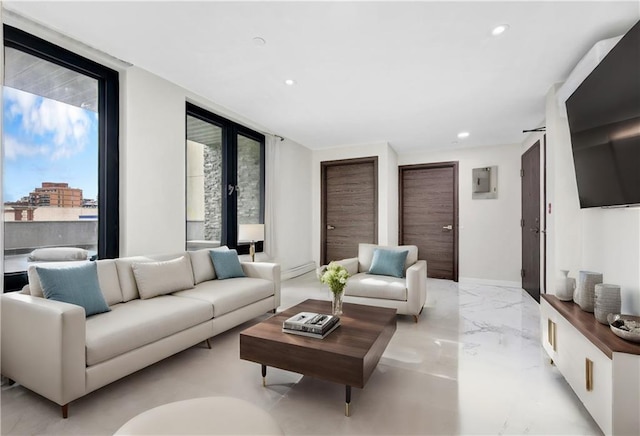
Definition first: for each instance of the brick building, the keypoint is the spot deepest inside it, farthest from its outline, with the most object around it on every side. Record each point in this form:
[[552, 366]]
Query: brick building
[[56, 195]]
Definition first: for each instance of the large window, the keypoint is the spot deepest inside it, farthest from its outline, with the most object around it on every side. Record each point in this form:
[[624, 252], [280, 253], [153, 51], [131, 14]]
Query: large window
[[225, 180], [60, 143]]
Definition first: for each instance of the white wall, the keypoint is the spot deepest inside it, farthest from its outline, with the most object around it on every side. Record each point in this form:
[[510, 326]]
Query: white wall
[[392, 194], [563, 223], [489, 234], [195, 181], [595, 239], [292, 202], [152, 191], [152, 164], [387, 189], [611, 245]]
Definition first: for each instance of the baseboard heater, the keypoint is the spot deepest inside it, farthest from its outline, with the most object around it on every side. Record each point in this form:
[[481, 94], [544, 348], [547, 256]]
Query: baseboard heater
[[298, 270]]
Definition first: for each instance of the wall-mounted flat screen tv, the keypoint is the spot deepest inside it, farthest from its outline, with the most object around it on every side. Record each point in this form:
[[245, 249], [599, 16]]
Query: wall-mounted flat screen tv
[[604, 120]]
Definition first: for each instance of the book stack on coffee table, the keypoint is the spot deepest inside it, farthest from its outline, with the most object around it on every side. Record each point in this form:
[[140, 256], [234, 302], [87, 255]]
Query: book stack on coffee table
[[315, 325]]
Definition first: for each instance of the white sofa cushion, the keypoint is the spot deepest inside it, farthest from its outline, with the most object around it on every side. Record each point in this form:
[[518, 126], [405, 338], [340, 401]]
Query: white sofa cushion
[[35, 288], [230, 294], [372, 286], [202, 265], [127, 279], [351, 265], [163, 277], [107, 277], [365, 255], [140, 322], [109, 283]]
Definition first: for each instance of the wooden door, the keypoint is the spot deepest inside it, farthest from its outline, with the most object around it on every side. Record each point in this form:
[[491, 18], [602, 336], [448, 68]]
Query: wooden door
[[429, 215], [530, 222], [349, 207]]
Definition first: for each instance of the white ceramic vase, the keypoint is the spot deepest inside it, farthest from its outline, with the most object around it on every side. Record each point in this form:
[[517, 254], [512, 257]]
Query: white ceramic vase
[[565, 286]]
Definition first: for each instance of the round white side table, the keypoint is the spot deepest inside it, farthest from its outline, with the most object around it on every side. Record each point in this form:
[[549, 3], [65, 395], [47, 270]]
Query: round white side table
[[209, 415]]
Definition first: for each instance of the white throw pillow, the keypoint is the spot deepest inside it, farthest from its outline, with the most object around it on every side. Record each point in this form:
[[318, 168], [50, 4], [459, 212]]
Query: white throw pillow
[[202, 265], [126, 278], [159, 278], [58, 254]]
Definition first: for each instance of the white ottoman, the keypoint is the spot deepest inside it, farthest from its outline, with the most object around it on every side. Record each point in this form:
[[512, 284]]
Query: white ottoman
[[209, 415]]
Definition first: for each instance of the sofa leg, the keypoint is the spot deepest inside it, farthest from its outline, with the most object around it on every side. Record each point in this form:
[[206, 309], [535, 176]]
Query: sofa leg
[[65, 410], [415, 317], [208, 343]]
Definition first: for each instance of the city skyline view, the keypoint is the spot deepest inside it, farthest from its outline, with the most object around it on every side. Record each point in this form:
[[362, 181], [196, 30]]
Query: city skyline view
[[47, 141]]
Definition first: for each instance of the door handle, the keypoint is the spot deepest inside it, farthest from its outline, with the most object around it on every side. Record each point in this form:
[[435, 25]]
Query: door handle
[[449, 227], [534, 230], [330, 227]]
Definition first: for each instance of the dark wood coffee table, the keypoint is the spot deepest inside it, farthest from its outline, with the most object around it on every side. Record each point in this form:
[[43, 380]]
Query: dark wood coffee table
[[347, 356]]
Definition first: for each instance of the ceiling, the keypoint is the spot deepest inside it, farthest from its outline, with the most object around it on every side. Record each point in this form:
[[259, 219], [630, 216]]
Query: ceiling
[[36, 76], [413, 74]]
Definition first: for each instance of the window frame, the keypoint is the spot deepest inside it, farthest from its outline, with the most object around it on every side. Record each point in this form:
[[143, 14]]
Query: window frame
[[108, 129], [230, 132]]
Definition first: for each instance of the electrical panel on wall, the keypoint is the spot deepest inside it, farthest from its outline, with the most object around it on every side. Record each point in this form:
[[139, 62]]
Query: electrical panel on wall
[[484, 183]]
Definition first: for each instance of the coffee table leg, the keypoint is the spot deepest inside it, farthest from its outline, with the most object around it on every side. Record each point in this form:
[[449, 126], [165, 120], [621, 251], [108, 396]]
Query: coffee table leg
[[264, 375], [347, 400]]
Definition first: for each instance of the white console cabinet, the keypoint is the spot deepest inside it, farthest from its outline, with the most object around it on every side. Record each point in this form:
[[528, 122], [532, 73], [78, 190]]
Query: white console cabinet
[[601, 368]]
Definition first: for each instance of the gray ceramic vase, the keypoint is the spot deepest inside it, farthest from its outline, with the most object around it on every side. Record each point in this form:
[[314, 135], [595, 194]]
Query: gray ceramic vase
[[585, 293], [607, 301]]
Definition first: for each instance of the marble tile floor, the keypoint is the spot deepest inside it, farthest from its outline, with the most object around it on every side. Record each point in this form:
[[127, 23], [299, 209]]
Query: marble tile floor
[[472, 365]]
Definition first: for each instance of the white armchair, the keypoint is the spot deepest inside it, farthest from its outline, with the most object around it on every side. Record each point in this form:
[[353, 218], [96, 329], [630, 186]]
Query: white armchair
[[407, 294]]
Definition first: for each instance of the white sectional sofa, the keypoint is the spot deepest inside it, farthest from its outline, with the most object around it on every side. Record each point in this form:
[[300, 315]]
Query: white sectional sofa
[[51, 348], [406, 294]]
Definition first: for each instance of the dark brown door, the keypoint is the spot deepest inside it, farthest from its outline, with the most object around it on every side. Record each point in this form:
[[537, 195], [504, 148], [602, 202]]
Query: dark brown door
[[531, 221], [429, 215], [349, 207]]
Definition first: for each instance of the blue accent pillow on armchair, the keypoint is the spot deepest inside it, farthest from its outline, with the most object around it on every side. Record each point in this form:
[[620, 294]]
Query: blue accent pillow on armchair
[[76, 285], [388, 262], [226, 264]]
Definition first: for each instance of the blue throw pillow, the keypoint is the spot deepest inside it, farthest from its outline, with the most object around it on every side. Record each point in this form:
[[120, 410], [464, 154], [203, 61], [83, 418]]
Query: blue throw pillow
[[226, 264], [76, 285], [388, 262]]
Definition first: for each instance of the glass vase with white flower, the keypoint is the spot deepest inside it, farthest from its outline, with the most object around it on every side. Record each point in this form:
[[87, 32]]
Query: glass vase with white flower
[[336, 276]]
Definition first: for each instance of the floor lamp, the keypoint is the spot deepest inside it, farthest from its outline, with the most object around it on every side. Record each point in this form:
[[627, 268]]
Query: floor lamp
[[252, 233]]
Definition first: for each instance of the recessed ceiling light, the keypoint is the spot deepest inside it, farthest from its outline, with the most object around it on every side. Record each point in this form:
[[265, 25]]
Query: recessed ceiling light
[[290, 82], [499, 30], [463, 135], [259, 41]]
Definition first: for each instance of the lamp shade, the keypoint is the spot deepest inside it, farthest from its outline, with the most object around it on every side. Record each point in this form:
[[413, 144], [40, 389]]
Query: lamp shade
[[251, 232]]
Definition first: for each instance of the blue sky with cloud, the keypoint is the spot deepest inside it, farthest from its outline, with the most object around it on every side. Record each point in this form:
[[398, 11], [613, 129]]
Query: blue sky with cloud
[[47, 141]]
